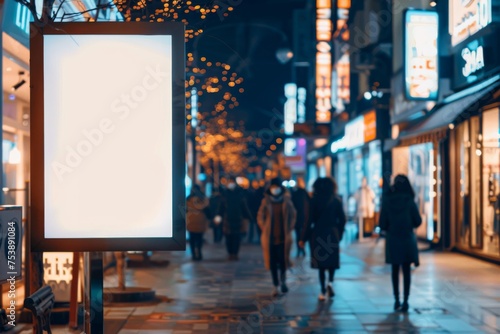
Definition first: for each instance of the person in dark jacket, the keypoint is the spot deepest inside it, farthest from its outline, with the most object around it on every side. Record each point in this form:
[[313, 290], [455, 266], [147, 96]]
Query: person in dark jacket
[[324, 230], [300, 199], [255, 196], [235, 216], [398, 217], [276, 218], [216, 222], [197, 219]]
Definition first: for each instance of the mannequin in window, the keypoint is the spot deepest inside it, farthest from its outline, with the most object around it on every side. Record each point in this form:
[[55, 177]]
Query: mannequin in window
[[365, 198]]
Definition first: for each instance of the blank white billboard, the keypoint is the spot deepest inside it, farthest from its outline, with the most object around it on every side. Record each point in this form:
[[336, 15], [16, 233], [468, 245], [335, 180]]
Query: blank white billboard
[[107, 136]]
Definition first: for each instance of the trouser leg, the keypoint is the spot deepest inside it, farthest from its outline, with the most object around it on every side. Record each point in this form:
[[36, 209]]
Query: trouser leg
[[274, 265], [322, 280], [406, 280], [395, 280]]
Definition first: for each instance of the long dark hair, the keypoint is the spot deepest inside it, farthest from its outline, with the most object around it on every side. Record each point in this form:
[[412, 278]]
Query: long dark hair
[[402, 185], [324, 189]]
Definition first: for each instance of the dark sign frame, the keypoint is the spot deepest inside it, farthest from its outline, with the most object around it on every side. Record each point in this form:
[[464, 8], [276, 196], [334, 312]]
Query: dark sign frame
[[38, 240]]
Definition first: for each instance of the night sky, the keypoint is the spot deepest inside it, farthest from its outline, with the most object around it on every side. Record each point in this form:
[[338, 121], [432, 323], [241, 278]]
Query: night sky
[[247, 40]]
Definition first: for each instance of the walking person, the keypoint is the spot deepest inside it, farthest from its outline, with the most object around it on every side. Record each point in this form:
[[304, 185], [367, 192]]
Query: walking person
[[255, 196], [398, 217], [197, 219], [276, 218], [300, 199], [324, 230], [216, 222], [235, 215]]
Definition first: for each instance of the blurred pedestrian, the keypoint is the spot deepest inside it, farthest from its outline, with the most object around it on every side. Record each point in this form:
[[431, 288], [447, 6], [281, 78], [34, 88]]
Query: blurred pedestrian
[[216, 222], [276, 218], [300, 199], [197, 219], [398, 217], [255, 196], [324, 230], [235, 216]]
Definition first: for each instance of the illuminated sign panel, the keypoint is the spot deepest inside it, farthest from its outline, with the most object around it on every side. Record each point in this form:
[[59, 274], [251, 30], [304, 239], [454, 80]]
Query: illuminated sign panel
[[355, 133], [421, 55], [370, 126], [290, 107], [301, 105], [109, 148], [476, 60], [324, 27], [361, 130], [467, 17]]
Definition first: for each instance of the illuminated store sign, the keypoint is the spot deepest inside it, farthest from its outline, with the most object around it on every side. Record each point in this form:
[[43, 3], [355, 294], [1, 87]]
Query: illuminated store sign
[[323, 61], [194, 107], [301, 105], [421, 55], [361, 130], [467, 17], [93, 154], [354, 133], [338, 145], [476, 60], [290, 107]]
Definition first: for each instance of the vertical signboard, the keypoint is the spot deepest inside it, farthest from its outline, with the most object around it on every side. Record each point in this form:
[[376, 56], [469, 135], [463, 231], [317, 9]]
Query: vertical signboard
[[108, 136], [290, 107], [324, 28], [421, 54]]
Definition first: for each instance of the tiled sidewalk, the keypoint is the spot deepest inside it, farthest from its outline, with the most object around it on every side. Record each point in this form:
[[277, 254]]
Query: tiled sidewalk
[[451, 293]]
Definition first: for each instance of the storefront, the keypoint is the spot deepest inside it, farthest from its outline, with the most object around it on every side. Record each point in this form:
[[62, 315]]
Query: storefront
[[15, 101], [475, 135], [476, 195], [359, 156], [419, 158]]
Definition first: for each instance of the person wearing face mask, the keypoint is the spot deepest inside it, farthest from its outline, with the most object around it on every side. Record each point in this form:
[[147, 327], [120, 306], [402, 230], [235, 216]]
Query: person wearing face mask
[[234, 212], [276, 218]]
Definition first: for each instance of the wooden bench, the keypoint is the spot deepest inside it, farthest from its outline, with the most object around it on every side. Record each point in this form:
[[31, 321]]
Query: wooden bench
[[41, 303]]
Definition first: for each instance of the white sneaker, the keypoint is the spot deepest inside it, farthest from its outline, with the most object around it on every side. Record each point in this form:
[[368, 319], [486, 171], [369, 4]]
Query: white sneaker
[[321, 297], [275, 292]]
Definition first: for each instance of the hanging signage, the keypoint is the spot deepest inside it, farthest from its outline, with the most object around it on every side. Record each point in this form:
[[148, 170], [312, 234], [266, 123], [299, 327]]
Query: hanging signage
[[108, 137], [467, 17], [421, 54], [295, 154], [324, 28], [301, 105], [476, 60], [370, 126]]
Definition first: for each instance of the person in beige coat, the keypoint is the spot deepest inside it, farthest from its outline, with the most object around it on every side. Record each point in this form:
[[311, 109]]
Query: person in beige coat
[[276, 218]]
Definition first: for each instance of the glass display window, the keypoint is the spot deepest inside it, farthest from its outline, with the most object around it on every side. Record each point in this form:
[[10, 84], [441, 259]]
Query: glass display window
[[491, 181]]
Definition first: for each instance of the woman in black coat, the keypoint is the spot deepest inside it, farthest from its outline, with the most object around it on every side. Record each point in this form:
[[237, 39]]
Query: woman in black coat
[[398, 217], [324, 230]]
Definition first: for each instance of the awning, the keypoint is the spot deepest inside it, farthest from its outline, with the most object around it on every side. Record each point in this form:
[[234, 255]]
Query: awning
[[454, 109]]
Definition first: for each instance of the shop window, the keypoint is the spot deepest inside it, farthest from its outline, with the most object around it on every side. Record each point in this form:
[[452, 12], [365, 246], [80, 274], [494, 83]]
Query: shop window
[[490, 154], [463, 204], [420, 172]]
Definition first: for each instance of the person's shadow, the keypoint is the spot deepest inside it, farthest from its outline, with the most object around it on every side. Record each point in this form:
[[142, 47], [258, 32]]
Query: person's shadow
[[396, 322]]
